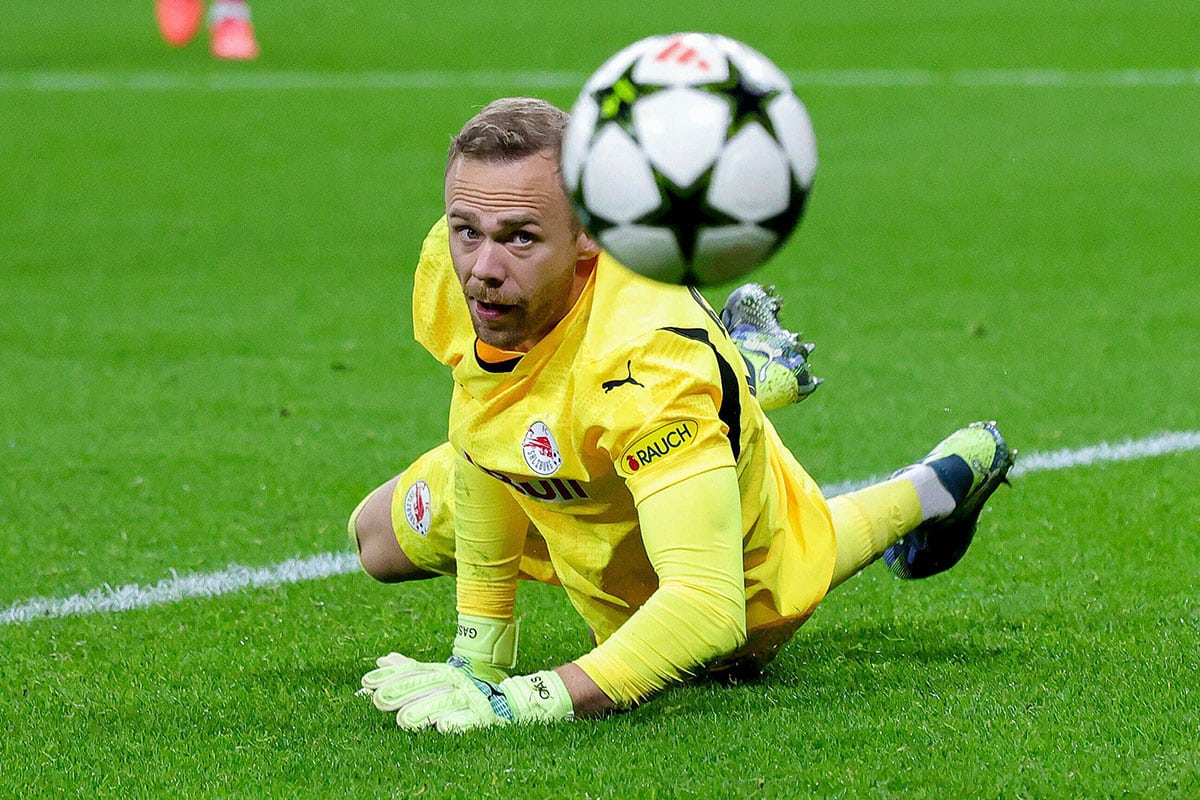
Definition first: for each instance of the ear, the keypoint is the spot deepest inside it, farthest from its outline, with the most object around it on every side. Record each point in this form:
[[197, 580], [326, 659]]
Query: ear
[[586, 247]]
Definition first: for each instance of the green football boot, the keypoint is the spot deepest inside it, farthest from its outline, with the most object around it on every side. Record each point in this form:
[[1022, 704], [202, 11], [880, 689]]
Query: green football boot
[[971, 463], [776, 358]]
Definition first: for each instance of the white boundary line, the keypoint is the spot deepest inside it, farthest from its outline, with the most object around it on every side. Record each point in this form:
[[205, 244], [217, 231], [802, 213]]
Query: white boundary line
[[169, 590], [1105, 452], [108, 599], [13, 81]]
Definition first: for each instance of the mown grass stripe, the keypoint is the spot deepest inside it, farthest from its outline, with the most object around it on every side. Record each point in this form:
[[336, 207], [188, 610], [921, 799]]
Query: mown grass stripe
[[423, 80]]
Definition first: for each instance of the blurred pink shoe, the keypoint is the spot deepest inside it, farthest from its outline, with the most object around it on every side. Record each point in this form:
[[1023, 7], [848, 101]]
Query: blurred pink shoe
[[178, 20], [232, 32]]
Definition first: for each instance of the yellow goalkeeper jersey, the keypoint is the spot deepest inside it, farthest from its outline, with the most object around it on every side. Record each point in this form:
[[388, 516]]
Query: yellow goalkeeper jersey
[[638, 388]]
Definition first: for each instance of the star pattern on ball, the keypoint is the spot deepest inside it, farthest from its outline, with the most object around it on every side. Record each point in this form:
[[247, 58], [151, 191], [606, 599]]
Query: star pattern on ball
[[687, 212], [616, 100], [747, 101], [785, 223], [714, 227]]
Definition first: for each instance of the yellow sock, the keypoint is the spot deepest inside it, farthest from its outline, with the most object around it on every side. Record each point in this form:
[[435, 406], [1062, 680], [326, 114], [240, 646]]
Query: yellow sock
[[868, 521]]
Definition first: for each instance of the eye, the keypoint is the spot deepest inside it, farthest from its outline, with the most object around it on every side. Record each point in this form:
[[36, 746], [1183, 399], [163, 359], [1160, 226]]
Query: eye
[[466, 233], [523, 238]]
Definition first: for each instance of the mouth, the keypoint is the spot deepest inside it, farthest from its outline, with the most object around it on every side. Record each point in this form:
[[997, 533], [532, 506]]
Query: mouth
[[491, 311]]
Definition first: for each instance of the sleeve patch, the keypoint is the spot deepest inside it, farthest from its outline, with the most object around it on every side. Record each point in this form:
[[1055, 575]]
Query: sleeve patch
[[659, 443]]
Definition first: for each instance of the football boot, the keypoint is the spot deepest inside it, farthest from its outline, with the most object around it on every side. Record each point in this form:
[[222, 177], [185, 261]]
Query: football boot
[[776, 357], [971, 463]]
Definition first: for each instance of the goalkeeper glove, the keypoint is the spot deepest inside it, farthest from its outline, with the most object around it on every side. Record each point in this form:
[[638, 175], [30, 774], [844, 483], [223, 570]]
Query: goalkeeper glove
[[451, 698]]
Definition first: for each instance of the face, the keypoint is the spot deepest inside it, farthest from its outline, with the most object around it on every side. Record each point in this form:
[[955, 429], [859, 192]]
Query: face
[[520, 258]]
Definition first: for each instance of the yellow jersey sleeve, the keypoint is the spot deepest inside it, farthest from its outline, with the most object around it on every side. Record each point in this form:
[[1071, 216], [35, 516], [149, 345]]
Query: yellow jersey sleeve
[[489, 540], [681, 423], [692, 535]]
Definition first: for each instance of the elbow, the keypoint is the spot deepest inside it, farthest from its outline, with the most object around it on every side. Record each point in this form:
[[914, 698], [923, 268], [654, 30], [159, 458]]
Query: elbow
[[735, 627], [719, 617]]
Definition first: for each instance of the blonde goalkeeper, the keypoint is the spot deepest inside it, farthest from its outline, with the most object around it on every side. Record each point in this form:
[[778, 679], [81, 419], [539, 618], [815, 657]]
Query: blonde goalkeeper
[[607, 435]]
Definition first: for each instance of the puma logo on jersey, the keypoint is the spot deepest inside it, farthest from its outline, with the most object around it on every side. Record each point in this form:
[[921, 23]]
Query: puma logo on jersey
[[610, 385]]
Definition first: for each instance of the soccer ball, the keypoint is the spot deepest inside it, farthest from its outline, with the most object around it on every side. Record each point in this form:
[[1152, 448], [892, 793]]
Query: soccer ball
[[689, 158]]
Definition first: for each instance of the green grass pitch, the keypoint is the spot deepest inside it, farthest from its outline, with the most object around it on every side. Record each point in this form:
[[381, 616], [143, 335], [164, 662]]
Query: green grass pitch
[[206, 360]]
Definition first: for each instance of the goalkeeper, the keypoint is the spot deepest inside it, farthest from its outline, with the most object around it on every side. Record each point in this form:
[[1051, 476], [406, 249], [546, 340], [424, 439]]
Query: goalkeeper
[[605, 436]]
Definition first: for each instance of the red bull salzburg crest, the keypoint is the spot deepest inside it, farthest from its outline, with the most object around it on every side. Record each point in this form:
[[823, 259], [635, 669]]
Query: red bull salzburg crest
[[418, 510], [540, 449]]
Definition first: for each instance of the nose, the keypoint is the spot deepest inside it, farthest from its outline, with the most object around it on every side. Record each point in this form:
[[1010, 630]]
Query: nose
[[490, 263]]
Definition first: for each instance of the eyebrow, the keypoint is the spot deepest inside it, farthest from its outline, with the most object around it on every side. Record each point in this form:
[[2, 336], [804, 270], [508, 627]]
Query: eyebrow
[[506, 223], [466, 216], [512, 223]]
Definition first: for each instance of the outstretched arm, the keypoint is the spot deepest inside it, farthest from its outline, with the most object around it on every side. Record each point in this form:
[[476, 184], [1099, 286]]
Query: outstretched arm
[[692, 535], [692, 531]]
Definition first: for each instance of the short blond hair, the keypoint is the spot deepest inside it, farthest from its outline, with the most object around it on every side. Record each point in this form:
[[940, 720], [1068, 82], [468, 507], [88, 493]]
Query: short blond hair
[[510, 129]]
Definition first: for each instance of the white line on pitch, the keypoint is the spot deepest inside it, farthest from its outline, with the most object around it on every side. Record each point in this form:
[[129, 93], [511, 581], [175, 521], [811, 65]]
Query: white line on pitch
[[323, 565], [168, 590], [116, 80], [1129, 450]]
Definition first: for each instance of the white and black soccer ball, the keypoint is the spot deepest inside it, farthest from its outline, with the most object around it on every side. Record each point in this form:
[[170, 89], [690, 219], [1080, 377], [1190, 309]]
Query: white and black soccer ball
[[689, 158]]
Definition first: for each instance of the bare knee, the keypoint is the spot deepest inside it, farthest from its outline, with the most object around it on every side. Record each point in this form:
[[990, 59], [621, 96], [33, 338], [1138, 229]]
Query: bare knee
[[378, 549]]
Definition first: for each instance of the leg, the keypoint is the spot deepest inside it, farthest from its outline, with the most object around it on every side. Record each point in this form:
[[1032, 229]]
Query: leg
[[378, 549], [869, 521], [923, 519], [178, 20], [232, 31], [404, 530], [970, 464]]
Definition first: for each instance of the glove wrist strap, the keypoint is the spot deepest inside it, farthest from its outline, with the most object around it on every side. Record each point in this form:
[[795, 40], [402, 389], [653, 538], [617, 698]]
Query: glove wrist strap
[[540, 697], [491, 641]]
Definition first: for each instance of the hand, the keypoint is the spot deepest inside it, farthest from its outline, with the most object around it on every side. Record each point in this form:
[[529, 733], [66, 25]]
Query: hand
[[451, 698], [486, 647]]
